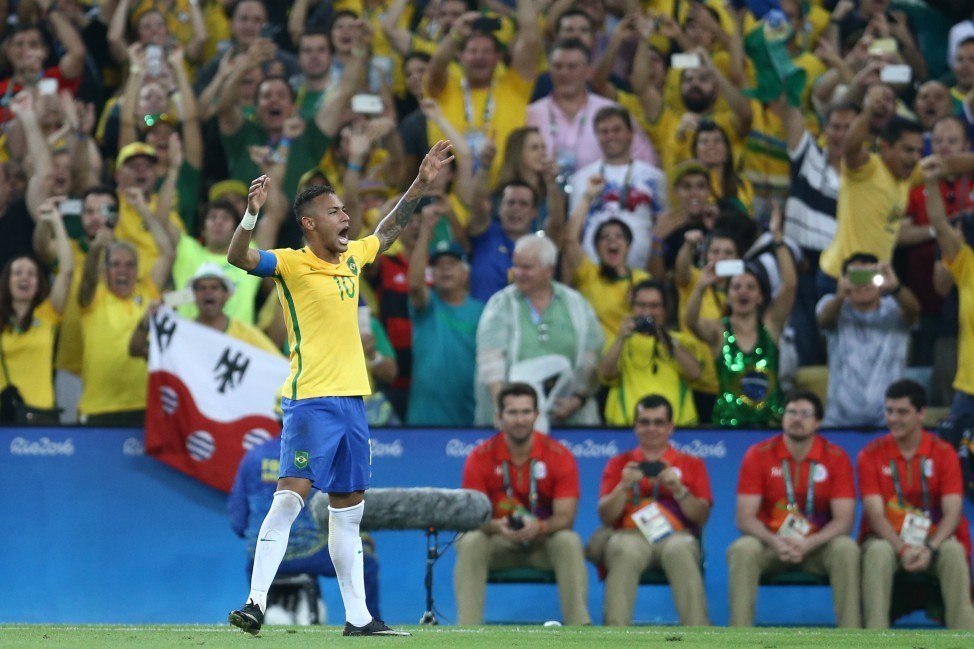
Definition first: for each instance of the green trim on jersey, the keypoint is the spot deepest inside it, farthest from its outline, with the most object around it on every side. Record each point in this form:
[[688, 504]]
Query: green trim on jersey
[[297, 335]]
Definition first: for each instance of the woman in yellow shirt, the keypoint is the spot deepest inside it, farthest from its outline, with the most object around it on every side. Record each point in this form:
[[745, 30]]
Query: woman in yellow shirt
[[712, 147], [30, 309]]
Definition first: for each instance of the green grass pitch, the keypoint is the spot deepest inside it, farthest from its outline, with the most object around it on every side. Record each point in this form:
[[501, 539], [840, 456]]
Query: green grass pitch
[[18, 636]]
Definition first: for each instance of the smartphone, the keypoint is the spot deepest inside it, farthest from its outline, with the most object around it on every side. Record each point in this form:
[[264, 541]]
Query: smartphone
[[110, 214], [685, 61], [864, 277], [153, 60], [883, 46], [651, 469], [896, 74], [485, 24], [47, 87], [364, 104], [176, 299], [729, 267], [267, 31], [71, 207]]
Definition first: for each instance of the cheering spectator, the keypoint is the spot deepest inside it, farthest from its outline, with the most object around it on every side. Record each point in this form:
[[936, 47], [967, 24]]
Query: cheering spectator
[[153, 29], [712, 148]]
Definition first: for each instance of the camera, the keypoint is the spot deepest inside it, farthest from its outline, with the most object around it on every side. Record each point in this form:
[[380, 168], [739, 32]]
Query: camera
[[645, 325], [651, 469], [515, 521]]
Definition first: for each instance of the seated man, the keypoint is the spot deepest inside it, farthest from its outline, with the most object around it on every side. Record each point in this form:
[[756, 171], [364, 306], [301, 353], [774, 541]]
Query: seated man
[[795, 506], [532, 482], [913, 520], [307, 548], [657, 501]]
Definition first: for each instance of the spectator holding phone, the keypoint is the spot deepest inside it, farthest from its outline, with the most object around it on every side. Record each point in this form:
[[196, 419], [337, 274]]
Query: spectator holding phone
[[867, 327], [653, 503], [796, 502], [646, 357]]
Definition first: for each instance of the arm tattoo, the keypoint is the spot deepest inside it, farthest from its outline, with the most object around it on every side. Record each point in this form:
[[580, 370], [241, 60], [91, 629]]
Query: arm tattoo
[[391, 226]]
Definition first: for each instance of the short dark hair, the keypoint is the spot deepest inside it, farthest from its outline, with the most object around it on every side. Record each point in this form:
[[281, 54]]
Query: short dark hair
[[608, 112], [809, 396], [516, 389], [654, 401], [521, 183], [622, 225], [574, 12], [897, 127], [723, 233], [957, 119], [909, 389], [859, 258], [649, 285], [840, 107], [282, 79], [316, 30], [100, 190], [306, 197], [573, 44], [225, 205], [417, 55]]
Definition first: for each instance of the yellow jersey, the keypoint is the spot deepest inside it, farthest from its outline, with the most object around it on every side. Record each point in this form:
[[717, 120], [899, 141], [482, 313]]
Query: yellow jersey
[[871, 206], [29, 356], [609, 298], [112, 380], [69, 333], [132, 229], [320, 302], [961, 268]]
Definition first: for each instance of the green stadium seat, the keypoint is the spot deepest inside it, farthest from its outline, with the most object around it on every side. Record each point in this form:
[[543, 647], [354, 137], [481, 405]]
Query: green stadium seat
[[521, 576], [794, 578]]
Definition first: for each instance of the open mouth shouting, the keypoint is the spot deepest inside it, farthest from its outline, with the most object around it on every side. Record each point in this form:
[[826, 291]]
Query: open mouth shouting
[[343, 237]]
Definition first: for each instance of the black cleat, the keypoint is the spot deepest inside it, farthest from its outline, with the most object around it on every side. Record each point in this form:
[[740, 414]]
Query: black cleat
[[375, 627], [248, 619]]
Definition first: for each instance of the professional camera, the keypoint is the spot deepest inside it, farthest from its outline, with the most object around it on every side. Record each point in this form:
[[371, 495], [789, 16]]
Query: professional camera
[[651, 469], [515, 521], [645, 325]]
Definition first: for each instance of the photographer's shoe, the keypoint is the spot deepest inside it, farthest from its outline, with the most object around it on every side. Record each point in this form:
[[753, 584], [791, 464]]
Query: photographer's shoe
[[249, 618], [375, 627]]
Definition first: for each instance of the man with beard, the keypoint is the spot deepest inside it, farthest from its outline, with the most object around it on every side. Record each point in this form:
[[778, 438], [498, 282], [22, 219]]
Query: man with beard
[[114, 383], [796, 502], [931, 104], [700, 87]]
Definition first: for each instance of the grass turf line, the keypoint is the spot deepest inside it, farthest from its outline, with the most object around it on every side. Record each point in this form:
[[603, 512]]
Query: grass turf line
[[21, 636]]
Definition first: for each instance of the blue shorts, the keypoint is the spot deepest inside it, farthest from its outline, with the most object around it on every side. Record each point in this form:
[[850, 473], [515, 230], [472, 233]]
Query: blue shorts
[[326, 440]]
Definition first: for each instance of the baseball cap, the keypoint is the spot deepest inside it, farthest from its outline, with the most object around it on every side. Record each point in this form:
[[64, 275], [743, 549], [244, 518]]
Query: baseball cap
[[451, 248], [687, 167], [210, 271], [227, 188], [134, 150]]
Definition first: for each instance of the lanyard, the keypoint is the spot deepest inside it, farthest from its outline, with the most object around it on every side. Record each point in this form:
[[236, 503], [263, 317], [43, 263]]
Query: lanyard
[[553, 126], [624, 194], [923, 485], [468, 103], [532, 489], [635, 492], [790, 488]]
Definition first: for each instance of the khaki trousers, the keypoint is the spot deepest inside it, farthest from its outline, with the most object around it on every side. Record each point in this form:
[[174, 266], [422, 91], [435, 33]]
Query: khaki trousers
[[879, 565], [478, 553], [748, 558], [628, 554]]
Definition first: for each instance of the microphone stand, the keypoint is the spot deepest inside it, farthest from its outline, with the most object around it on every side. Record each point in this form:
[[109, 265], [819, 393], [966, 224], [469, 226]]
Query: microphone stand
[[432, 554]]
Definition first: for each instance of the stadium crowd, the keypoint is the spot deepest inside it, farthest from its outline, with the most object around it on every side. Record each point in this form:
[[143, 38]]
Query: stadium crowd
[[698, 199]]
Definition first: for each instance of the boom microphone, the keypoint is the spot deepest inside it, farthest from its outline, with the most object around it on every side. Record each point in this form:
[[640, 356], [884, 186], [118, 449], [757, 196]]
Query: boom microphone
[[415, 508]]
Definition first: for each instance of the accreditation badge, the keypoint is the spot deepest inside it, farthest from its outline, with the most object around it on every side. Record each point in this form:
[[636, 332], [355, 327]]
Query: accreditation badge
[[652, 522], [916, 528], [795, 526]]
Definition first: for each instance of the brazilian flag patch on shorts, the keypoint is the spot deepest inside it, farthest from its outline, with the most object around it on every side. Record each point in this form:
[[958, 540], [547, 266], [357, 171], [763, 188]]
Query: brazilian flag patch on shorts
[[301, 459]]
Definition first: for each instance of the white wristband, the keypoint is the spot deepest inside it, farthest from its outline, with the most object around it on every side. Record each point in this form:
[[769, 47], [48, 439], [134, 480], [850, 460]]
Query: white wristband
[[249, 220], [378, 359]]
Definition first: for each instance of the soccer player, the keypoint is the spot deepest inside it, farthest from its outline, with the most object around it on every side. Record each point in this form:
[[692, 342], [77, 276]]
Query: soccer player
[[325, 438]]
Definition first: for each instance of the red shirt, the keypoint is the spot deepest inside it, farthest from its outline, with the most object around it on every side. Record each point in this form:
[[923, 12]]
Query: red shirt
[[71, 85], [392, 290], [692, 471], [762, 475], [943, 477], [554, 468]]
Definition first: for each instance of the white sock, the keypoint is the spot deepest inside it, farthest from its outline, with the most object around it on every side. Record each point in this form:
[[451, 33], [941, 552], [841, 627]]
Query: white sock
[[272, 543], [345, 548]]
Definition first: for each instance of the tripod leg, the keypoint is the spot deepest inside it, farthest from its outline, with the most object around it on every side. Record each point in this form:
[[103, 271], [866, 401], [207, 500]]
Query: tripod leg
[[432, 554]]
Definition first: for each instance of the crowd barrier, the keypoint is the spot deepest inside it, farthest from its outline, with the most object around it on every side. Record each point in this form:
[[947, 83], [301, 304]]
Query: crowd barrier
[[96, 532]]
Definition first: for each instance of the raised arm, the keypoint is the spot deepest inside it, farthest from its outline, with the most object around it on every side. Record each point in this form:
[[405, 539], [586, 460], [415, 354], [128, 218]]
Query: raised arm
[[50, 217], [240, 254], [601, 74], [72, 62], [297, 19], [794, 122], [779, 310], [38, 186], [706, 329], [391, 226], [167, 192], [189, 117], [159, 273], [479, 198], [399, 38], [683, 267], [89, 276], [117, 45], [949, 239], [196, 46], [572, 254], [464, 179], [330, 115], [229, 113], [739, 104], [437, 72], [527, 43], [855, 148], [419, 259]]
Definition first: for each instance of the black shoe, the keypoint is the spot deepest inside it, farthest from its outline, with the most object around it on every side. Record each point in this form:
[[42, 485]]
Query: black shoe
[[375, 627], [248, 619]]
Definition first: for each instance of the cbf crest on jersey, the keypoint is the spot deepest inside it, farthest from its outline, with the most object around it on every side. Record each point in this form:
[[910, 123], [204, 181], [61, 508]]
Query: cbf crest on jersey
[[352, 266]]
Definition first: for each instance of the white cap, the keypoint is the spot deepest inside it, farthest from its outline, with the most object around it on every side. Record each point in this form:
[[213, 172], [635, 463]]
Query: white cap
[[210, 270]]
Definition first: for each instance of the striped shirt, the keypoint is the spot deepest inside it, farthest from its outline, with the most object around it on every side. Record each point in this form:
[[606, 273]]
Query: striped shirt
[[810, 209]]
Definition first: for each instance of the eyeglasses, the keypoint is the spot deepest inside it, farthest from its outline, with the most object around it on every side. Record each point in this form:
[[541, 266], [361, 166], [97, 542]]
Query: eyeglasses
[[801, 414]]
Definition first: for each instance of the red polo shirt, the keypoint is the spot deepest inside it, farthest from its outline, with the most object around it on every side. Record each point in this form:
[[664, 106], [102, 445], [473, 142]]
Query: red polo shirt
[[762, 475], [692, 471], [555, 474], [942, 469]]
